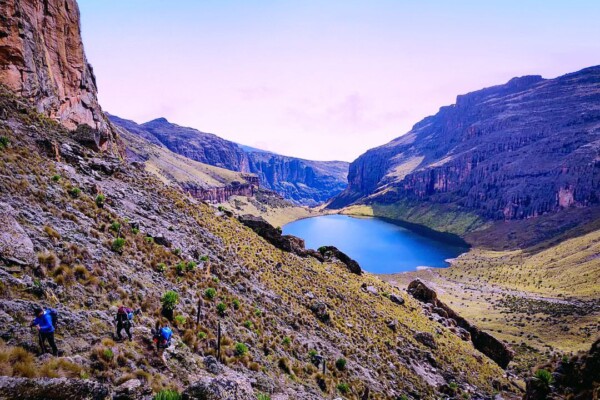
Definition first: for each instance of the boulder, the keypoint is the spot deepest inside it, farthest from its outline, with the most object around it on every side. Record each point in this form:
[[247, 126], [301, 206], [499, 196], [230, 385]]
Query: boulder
[[227, 387], [15, 246], [132, 389], [320, 310], [52, 389], [397, 299], [426, 339]]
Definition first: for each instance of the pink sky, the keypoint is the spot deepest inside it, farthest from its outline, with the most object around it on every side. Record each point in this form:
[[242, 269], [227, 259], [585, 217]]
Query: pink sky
[[322, 80]]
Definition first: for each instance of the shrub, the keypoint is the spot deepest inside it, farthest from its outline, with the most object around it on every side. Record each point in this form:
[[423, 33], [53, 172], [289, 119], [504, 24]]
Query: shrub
[[210, 293], [191, 265], [221, 308], [4, 142], [257, 312], [286, 341], [100, 200], [161, 267], [236, 304], [340, 364], [343, 388], [180, 268], [201, 335], [263, 396], [135, 231], [149, 239], [118, 244], [240, 349], [204, 258], [312, 353], [75, 192], [180, 320], [107, 354], [248, 324], [55, 178], [115, 226], [453, 386], [169, 300], [167, 394], [215, 279], [544, 376], [177, 252]]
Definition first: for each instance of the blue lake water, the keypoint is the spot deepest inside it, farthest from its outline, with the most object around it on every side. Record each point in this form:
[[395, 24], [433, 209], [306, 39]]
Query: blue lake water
[[379, 247]]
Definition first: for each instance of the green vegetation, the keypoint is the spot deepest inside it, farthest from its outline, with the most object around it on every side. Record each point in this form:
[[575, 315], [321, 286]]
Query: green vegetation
[[161, 267], [544, 376], [263, 396], [169, 300], [55, 178], [4, 142], [286, 341], [75, 192], [204, 258], [177, 252], [221, 308], [210, 293], [191, 265], [108, 354], [167, 394], [236, 304], [180, 320], [240, 349], [340, 364], [343, 388], [180, 268], [118, 244], [115, 226], [100, 199], [135, 231], [201, 335], [248, 324]]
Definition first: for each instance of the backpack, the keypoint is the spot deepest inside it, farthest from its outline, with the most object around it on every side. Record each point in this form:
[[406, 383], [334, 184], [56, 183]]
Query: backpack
[[166, 333], [53, 316]]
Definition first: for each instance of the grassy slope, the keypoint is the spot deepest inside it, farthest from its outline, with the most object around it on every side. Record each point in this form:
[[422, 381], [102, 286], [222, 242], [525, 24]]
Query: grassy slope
[[78, 234], [546, 298]]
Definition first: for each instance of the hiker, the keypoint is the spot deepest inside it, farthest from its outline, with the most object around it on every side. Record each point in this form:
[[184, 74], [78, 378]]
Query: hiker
[[162, 336], [124, 320], [45, 322]]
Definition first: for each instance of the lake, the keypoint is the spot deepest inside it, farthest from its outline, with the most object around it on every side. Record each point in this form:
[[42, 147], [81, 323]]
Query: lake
[[379, 246]]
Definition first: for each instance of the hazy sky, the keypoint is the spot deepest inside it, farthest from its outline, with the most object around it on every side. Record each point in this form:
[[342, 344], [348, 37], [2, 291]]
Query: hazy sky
[[322, 79]]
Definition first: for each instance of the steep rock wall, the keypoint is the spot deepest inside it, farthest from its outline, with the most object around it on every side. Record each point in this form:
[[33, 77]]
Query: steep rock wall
[[42, 59]]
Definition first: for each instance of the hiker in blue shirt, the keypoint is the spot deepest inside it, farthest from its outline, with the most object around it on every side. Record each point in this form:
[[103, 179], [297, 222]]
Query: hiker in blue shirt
[[45, 322]]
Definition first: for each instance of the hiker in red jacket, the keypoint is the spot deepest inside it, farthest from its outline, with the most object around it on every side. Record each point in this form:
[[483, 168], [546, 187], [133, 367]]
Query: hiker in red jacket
[[124, 320]]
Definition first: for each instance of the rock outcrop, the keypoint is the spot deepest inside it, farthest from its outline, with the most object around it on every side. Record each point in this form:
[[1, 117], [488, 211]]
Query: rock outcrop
[[52, 389], [512, 151], [220, 194], [576, 377], [499, 352], [42, 59], [304, 182], [15, 245]]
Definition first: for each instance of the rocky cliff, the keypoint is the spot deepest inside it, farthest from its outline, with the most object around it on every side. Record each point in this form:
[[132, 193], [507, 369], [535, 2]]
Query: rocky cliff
[[301, 181], [42, 59], [513, 151]]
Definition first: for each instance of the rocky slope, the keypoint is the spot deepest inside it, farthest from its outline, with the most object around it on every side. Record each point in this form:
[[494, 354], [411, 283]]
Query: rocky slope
[[63, 251], [42, 59], [514, 151], [302, 181]]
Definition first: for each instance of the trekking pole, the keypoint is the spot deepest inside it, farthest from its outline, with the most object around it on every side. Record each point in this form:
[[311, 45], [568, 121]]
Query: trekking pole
[[199, 311], [324, 365], [219, 342]]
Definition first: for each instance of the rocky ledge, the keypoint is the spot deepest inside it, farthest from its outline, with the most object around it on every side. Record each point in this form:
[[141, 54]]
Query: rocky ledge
[[499, 352]]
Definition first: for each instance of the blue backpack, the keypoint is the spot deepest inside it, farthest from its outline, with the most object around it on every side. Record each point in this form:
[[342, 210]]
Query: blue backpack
[[166, 333]]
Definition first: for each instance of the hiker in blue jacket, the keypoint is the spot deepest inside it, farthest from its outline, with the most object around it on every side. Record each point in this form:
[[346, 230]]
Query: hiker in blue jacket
[[45, 321]]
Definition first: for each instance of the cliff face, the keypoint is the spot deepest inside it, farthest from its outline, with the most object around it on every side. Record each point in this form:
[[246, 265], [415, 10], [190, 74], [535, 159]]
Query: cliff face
[[42, 59], [220, 194], [302, 181], [512, 151]]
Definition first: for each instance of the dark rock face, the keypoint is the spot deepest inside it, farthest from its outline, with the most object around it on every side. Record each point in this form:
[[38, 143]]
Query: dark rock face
[[511, 151], [500, 353], [52, 389], [42, 59], [330, 252], [220, 388], [577, 378], [302, 181], [273, 235]]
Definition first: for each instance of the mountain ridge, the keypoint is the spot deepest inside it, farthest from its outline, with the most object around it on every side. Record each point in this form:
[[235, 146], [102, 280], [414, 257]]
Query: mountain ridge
[[304, 182]]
